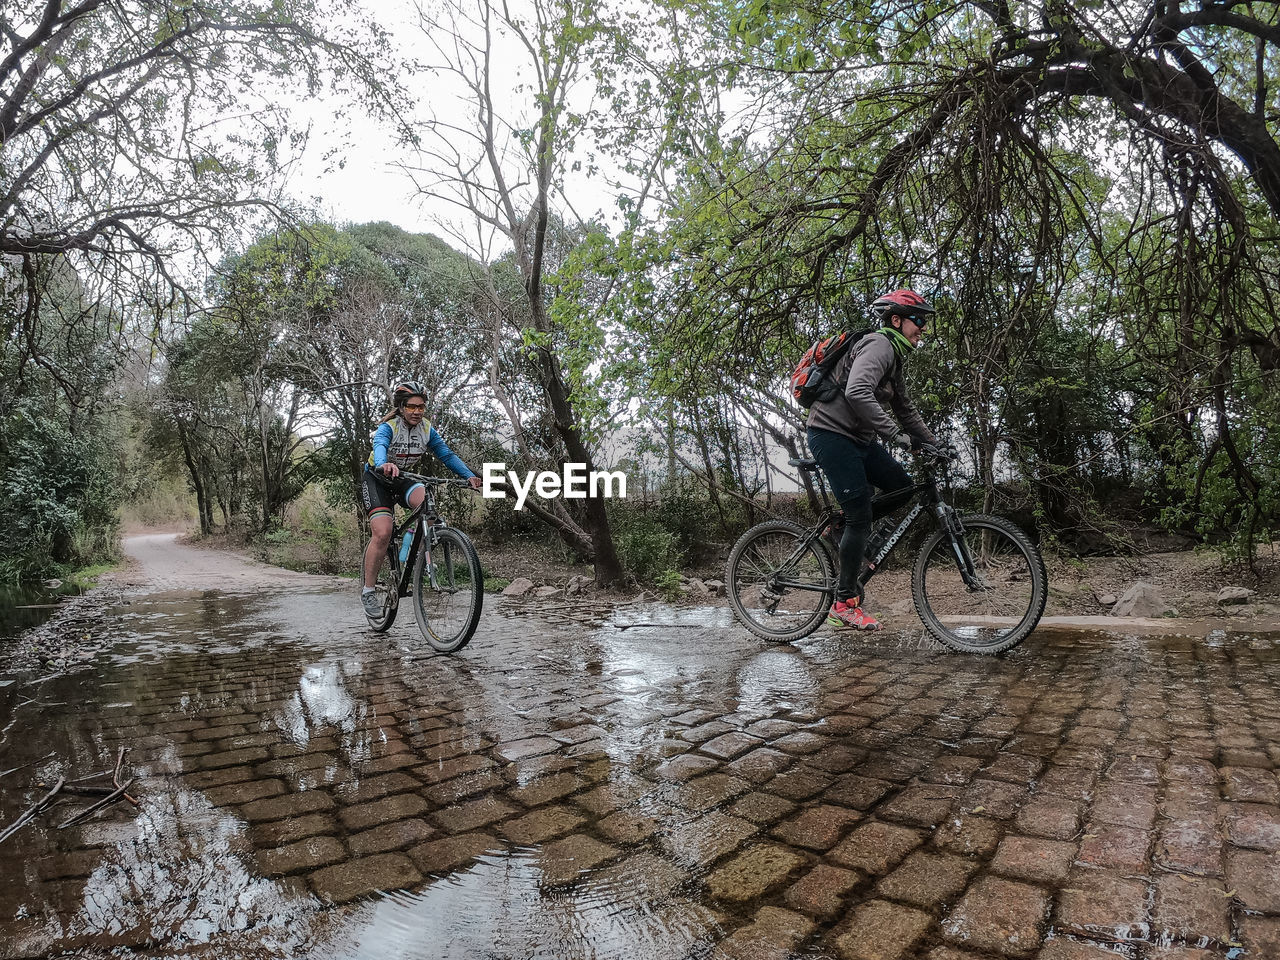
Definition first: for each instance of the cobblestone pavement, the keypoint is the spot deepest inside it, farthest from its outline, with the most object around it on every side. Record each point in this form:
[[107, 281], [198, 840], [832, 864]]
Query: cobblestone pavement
[[664, 786]]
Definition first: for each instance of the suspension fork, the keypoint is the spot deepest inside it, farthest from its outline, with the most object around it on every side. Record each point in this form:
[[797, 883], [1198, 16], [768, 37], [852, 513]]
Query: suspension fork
[[949, 519]]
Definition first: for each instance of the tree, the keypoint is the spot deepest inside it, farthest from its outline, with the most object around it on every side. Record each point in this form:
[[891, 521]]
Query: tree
[[386, 305], [521, 68], [135, 137], [58, 421], [122, 121], [988, 152], [283, 378]]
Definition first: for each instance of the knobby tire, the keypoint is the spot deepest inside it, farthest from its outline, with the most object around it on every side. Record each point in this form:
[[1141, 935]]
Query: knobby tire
[[991, 618], [448, 612], [756, 559]]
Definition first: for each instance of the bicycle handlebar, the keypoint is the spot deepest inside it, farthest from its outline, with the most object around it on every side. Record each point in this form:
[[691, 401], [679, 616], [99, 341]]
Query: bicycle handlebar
[[938, 455], [437, 481]]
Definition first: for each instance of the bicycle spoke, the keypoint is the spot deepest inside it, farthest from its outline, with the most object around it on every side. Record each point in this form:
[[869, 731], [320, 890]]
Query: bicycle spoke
[[779, 590], [993, 608], [449, 592]]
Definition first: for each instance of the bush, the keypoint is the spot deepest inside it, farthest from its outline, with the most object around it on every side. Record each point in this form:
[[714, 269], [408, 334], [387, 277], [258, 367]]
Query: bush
[[668, 583], [646, 548], [314, 537], [501, 525], [60, 491], [159, 503], [686, 511]]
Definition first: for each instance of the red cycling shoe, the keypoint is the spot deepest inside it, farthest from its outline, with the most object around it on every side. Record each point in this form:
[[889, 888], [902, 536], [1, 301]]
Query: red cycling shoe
[[851, 614]]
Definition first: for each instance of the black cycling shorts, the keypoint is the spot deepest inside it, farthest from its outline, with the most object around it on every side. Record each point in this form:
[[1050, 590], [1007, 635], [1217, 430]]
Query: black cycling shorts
[[382, 493]]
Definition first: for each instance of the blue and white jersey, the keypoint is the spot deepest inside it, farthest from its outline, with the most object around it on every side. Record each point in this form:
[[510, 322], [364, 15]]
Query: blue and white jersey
[[404, 446]]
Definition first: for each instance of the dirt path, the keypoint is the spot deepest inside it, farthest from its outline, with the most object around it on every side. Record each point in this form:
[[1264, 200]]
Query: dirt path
[[159, 561], [157, 564]]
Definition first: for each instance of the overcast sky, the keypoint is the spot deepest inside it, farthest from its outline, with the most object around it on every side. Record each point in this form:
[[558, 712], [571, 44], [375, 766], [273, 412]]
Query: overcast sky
[[369, 187]]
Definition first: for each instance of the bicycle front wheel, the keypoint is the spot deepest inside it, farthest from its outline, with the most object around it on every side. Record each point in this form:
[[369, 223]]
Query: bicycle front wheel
[[779, 589], [983, 593], [448, 590], [388, 586]]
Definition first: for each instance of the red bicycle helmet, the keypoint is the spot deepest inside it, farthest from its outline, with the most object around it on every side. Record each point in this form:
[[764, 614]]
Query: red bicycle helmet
[[903, 303]]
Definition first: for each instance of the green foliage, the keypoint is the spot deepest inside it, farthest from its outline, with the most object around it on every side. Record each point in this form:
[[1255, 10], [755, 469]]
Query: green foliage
[[668, 584], [646, 548], [688, 514], [315, 537], [59, 494], [87, 577], [1107, 308], [59, 475], [499, 524]]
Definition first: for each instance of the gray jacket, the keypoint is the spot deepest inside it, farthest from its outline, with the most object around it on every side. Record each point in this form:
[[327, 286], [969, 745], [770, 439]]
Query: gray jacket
[[874, 382]]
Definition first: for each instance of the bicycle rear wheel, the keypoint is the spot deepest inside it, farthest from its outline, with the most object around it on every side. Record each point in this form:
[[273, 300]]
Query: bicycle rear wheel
[[448, 590], [777, 589], [1004, 598], [387, 586]]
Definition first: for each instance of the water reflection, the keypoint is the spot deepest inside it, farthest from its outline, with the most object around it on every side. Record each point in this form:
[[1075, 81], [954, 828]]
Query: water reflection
[[27, 605], [604, 793], [501, 906], [321, 700], [777, 680], [180, 872]]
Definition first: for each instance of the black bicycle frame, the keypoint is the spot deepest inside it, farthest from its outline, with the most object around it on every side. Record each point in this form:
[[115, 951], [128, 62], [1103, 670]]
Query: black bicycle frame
[[424, 517], [925, 494]]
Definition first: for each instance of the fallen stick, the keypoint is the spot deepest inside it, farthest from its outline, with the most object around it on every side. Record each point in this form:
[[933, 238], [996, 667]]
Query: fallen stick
[[105, 801], [31, 812], [115, 777], [85, 791], [23, 766], [669, 626]]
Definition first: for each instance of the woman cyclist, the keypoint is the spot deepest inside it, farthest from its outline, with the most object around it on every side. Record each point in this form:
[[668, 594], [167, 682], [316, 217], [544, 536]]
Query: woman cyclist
[[399, 442], [843, 434]]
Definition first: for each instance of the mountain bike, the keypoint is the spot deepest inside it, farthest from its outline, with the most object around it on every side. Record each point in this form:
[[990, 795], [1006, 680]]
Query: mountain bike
[[440, 571], [979, 583]]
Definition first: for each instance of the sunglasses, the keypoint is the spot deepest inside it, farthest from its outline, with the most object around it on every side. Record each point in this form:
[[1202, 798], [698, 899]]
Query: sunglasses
[[415, 406], [920, 322]]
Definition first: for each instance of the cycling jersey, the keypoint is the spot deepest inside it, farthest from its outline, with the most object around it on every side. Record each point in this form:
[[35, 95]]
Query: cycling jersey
[[397, 442]]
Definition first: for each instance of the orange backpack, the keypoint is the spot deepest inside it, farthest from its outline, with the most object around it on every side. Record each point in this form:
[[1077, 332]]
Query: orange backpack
[[813, 379]]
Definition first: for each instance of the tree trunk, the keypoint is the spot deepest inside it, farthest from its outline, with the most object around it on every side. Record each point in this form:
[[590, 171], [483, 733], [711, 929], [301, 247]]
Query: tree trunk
[[203, 507], [608, 566]]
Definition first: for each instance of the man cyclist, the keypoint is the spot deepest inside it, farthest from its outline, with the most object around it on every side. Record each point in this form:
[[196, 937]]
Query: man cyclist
[[843, 434], [400, 440]]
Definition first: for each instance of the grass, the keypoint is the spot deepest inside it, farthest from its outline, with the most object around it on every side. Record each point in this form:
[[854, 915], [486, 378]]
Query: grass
[[87, 577]]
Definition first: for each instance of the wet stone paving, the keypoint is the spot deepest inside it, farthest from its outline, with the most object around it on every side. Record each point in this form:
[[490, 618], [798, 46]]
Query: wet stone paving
[[660, 786]]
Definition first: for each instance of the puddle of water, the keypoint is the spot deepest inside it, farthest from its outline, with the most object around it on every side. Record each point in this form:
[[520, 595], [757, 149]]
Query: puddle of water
[[27, 605], [503, 906], [601, 783]]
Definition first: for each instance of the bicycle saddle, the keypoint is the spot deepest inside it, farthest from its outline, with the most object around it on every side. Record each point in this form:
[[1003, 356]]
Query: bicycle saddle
[[804, 463]]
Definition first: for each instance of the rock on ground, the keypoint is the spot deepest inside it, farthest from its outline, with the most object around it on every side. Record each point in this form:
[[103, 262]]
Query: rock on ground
[[517, 587], [1141, 600], [1233, 595]]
